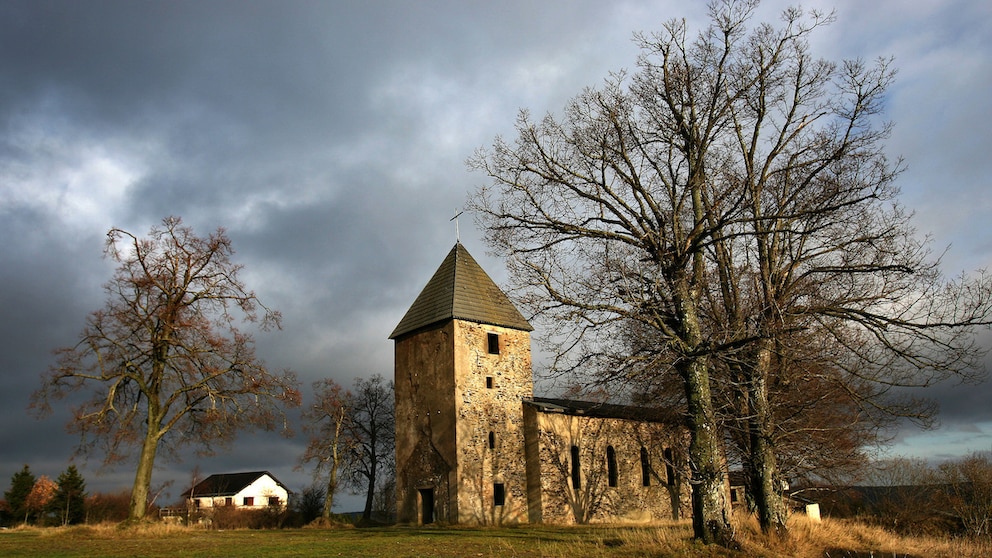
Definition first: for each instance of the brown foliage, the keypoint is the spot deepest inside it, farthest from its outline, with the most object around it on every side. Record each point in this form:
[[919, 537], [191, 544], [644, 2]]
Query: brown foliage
[[107, 508], [230, 517], [165, 364], [41, 495]]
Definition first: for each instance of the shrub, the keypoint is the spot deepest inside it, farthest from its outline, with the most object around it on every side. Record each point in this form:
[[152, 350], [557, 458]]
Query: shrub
[[230, 517]]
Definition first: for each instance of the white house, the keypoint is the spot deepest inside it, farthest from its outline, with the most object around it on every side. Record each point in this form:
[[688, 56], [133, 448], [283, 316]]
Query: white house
[[253, 490]]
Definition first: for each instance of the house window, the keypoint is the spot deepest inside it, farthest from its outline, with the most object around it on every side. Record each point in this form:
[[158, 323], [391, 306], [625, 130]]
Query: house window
[[249, 501], [489, 382], [645, 468], [576, 477], [499, 494], [493, 340], [492, 440], [611, 465], [273, 500], [670, 466], [733, 495]]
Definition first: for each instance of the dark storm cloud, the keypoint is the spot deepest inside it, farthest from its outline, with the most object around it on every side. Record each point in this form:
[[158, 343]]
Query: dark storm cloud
[[329, 139]]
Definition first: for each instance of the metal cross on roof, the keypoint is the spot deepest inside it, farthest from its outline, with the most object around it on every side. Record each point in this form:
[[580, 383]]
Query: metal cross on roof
[[455, 219]]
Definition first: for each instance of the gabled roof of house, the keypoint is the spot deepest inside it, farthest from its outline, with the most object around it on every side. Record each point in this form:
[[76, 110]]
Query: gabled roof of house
[[460, 289], [604, 410], [229, 484]]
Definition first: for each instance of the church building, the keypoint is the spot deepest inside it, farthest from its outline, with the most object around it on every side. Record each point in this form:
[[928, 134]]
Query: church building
[[475, 446]]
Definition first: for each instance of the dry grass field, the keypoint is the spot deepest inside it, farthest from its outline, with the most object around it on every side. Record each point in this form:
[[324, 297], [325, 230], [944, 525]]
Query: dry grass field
[[830, 538]]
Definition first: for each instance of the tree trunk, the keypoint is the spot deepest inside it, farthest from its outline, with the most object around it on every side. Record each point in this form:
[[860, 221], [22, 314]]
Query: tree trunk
[[710, 506], [710, 500], [143, 478], [332, 487], [370, 494], [764, 466]]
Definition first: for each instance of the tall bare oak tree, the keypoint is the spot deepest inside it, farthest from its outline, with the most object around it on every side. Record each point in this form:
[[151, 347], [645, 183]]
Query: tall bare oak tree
[[605, 216], [727, 215], [371, 438], [165, 361], [327, 421]]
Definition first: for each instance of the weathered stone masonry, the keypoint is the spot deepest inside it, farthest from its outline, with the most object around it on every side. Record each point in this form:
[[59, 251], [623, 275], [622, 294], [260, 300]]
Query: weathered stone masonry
[[474, 446]]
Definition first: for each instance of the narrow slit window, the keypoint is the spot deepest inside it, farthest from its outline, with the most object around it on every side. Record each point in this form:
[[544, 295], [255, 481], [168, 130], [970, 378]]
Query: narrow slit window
[[645, 468], [493, 340], [492, 440], [576, 474], [489, 382], [670, 466], [499, 494], [611, 465]]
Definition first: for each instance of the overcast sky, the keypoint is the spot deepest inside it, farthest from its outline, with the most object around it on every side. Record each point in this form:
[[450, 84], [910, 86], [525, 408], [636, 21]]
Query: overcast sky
[[329, 139]]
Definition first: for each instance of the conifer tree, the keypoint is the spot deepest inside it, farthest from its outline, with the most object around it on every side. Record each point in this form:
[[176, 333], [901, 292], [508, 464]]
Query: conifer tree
[[20, 486], [69, 503]]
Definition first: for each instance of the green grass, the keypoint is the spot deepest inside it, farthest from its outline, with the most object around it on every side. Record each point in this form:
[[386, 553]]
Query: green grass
[[530, 541], [806, 539]]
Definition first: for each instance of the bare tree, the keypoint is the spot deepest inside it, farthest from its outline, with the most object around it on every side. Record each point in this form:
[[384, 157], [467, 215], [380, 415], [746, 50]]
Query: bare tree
[[311, 502], [326, 420], [725, 208], [167, 365], [606, 215], [371, 431], [904, 494], [969, 485], [823, 255]]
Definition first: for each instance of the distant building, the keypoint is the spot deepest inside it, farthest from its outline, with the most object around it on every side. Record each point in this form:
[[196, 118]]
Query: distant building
[[473, 444], [253, 490]]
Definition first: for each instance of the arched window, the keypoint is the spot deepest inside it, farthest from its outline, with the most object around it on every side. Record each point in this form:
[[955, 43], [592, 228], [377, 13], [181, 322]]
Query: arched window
[[645, 468], [576, 477], [611, 465]]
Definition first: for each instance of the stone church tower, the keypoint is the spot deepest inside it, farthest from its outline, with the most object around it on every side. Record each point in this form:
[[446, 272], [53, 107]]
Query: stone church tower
[[462, 369]]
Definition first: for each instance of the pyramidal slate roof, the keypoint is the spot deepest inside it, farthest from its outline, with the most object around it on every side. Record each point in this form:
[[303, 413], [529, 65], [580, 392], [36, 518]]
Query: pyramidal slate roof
[[460, 289]]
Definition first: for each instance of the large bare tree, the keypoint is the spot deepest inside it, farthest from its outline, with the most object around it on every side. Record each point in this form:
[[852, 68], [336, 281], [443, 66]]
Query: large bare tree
[[327, 421], [824, 264], [728, 210], [370, 437], [165, 361], [605, 215]]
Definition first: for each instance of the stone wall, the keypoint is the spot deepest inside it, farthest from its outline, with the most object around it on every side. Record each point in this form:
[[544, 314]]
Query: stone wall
[[652, 491], [425, 429], [470, 451], [489, 388]]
